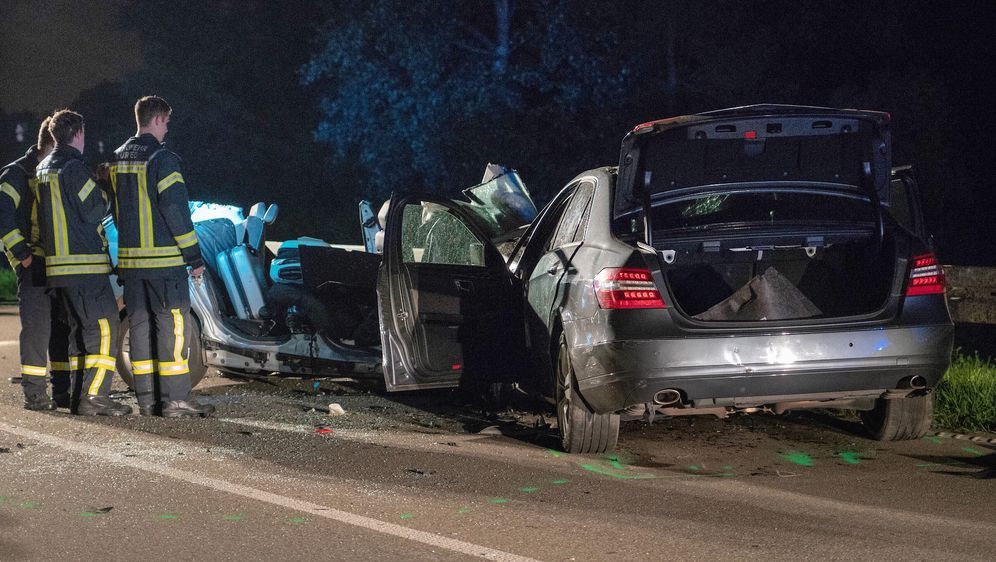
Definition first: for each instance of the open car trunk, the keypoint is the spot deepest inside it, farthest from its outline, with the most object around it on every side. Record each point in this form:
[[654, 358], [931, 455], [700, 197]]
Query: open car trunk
[[763, 213], [848, 278]]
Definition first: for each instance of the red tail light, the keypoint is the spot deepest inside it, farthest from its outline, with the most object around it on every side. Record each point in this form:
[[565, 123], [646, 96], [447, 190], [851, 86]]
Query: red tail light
[[617, 287], [926, 277]]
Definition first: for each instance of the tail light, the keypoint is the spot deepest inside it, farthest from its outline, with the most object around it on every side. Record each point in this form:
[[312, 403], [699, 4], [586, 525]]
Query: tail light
[[926, 276], [617, 287]]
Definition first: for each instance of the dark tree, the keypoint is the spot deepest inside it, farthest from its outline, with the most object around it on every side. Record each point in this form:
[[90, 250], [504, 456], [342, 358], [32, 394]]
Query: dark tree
[[424, 94]]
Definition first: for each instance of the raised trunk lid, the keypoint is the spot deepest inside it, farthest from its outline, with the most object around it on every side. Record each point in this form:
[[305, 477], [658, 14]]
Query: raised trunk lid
[[842, 149]]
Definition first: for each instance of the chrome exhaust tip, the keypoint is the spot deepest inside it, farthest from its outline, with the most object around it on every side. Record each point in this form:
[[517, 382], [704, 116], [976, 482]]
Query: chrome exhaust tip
[[667, 397], [916, 382]]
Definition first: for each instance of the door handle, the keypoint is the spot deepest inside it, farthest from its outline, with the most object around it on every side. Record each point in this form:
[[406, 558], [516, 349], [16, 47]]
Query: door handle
[[557, 269], [464, 285]]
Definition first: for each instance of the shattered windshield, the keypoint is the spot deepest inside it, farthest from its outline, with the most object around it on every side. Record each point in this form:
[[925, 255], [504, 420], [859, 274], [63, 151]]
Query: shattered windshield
[[503, 204]]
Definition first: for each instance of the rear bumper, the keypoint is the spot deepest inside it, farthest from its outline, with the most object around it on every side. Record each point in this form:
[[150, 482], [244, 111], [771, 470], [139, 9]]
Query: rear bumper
[[727, 370]]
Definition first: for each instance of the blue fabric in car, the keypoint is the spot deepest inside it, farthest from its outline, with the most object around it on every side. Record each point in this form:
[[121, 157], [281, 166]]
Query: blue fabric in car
[[214, 235]]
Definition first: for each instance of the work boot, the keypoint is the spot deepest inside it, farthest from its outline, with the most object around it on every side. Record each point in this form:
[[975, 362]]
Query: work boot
[[147, 410], [38, 403], [186, 408], [101, 406], [63, 399]]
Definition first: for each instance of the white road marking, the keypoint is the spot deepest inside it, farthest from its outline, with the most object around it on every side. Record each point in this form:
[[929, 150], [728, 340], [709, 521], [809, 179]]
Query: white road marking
[[7, 343], [275, 426], [316, 510]]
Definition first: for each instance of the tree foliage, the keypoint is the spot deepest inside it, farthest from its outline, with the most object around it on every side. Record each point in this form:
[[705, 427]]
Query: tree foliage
[[407, 87]]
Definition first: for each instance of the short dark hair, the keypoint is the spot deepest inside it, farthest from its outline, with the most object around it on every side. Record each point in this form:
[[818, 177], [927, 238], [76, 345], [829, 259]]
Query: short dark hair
[[148, 108], [45, 139], [64, 125]]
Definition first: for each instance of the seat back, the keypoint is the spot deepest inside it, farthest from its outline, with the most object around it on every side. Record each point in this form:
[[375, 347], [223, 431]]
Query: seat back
[[382, 221], [241, 273]]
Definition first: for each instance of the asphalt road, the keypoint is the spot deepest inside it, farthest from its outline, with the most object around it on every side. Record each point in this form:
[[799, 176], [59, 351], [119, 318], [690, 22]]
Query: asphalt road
[[412, 477]]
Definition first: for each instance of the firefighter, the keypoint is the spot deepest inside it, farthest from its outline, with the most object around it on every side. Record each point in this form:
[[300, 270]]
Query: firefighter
[[70, 209], [43, 328], [156, 245]]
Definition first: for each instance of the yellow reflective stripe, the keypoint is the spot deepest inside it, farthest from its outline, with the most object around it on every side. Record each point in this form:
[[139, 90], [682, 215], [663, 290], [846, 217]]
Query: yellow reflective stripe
[[78, 259], [87, 188], [75, 362], [177, 334], [12, 238], [98, 380], [186, 240], [130, 168], [145, 227], [169, 180], [148, 263], [62, 365], [171, 368], [11, 192], [103, 361], [33, 370], [52, 271], [105, 339], [59, 226], [146, 367], [161, 251], [35, 227]]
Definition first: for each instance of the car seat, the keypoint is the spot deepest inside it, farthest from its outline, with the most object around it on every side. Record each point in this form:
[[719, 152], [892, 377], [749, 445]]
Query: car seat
[[242, 267], [382, 221]]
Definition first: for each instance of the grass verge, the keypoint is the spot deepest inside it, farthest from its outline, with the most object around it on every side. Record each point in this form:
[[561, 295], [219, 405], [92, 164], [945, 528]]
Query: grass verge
[[8, 285], [966, 398]]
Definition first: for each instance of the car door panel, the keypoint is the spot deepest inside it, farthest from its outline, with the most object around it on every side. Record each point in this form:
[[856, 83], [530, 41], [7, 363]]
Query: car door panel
[[549, 280], [443, 324]]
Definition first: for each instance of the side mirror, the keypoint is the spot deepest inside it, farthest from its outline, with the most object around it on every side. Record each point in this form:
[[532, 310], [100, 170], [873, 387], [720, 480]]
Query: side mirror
[[271, 213]]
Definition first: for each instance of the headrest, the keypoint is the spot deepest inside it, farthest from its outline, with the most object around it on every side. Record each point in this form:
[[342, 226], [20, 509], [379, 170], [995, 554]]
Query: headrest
[[382, 214]]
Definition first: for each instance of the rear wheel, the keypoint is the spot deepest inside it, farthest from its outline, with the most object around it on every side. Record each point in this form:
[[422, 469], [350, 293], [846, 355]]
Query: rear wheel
[[899, 419], [581, 430], [195, 352]]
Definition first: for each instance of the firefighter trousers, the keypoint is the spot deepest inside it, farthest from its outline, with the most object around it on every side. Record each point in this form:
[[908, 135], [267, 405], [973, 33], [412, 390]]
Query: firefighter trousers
[[44, 340], [158, 314], [93, 322]]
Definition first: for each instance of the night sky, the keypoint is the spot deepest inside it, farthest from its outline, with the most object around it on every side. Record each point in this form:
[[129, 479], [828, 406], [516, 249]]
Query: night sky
[[41, 73], [233, 71]]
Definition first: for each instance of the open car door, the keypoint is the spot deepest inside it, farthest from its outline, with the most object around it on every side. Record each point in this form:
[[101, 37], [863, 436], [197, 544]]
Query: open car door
[[450, 311]]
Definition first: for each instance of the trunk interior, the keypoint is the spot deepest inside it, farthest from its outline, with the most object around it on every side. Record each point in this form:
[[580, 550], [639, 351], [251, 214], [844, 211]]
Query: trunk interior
[[848, 278]]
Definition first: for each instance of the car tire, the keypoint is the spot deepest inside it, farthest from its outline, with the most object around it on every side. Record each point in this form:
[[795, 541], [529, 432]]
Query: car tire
[[899, 419], [195, 359], [581, 430]]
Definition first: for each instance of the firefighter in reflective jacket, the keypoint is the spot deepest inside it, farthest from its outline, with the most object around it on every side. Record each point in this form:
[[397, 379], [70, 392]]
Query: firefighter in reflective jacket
[[44, 333], [156, 244], [70, 209]]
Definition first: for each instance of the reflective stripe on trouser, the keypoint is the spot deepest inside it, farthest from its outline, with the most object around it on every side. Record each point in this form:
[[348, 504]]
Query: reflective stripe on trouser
[[158, 314], [93, 314], [44, 338]]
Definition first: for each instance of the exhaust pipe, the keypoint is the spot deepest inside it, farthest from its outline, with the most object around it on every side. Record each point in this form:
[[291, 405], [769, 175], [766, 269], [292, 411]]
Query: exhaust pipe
[[667, 397], [916, 382]]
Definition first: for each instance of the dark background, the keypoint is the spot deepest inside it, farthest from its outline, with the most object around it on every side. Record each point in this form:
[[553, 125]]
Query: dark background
[[316, 105]]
